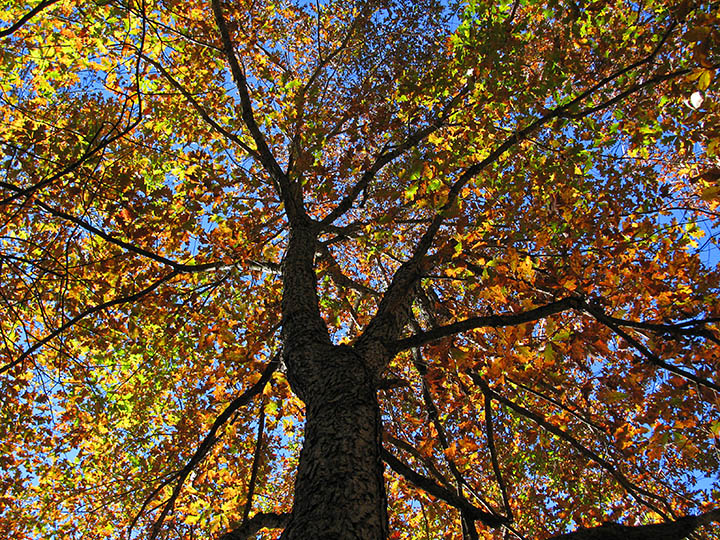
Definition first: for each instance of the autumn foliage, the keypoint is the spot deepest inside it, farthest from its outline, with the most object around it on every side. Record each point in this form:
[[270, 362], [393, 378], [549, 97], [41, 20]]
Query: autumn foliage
[[509, 210]]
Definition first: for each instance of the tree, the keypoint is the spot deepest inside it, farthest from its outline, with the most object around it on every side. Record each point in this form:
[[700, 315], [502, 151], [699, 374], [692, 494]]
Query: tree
[[462, 254]]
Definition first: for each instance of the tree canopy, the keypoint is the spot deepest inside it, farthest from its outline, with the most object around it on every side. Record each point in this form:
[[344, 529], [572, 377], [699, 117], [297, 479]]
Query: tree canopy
[[463, 253]]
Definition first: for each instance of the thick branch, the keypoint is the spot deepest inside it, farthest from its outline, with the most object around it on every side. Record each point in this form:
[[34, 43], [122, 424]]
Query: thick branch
[[406, 277], [487, 321], [259, 521], [670, 530], [453, 499], [337, 275]]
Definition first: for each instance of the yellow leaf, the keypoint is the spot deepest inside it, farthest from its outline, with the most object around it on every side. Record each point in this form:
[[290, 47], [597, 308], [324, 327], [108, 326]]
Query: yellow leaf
[[549, 354], [704, 79], [711, 193]]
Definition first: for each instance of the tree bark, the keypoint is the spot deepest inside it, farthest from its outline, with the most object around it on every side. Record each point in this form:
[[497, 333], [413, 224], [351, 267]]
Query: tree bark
[[339, 488]]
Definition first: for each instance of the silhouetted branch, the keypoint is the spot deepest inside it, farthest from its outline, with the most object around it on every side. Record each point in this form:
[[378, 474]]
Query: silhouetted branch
[[647, 353], [558, 404], [407, 275], [255, 463], [487, 321], [176, 266], [414, 452], [389, 155], [291, 195], [670, 530], [259, 521], [453, 499], [202, 450], [90, 311], [199, 108], [493, 454], [633, 489], [25, 18]]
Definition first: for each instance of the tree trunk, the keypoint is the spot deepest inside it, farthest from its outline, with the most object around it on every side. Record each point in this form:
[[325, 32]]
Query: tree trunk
[[339, 488]]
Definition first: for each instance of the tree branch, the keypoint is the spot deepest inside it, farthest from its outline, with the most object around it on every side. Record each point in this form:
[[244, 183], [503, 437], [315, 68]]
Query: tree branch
[[176, 266], [487, 321], [427, 485], [632, 489], [493, 454], [199, 108], [598, 314], [387, 157], [94, 309], [385, 323], [290, 195], [87, 154], [202, 450], [433, 416], [25, 18], [414, 452], [262, 520], [669, 530], [255, 464]]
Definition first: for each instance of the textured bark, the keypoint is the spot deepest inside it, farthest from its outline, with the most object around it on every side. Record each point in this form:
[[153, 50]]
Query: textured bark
[[339, 488]]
